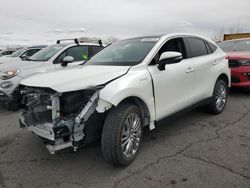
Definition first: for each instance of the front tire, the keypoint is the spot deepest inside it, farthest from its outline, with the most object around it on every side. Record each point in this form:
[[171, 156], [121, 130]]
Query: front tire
[[12, 105], [219, 98], [122, 135]]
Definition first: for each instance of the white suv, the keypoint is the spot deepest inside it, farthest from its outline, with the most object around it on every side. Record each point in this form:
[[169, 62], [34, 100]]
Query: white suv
[[129, 85], [48, 59]]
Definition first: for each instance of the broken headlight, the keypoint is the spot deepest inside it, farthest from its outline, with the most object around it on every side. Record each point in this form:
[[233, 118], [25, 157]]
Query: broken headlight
[[72, 102], [9, 74]]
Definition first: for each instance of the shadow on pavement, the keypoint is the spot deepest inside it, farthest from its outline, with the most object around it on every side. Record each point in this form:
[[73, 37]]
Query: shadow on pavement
[[239, 92]]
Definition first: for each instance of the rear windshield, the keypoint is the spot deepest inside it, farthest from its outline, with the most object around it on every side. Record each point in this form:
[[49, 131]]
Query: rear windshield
[[238, 45]]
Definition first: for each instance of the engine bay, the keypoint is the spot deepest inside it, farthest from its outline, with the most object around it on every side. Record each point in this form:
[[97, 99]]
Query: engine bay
[[58, 118]]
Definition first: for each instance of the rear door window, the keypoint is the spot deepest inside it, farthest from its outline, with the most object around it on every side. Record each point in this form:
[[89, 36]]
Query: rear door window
[[209, 50], [212, 46]]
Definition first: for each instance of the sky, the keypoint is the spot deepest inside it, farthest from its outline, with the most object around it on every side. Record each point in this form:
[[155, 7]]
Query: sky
[[28, 22]]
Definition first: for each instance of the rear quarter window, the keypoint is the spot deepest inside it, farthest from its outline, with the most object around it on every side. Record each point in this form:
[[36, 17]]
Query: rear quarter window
[[212, 46], [196, 47], [94, 50]]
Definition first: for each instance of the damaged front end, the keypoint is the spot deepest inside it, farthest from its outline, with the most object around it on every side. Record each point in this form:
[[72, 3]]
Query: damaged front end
[[62, 119]]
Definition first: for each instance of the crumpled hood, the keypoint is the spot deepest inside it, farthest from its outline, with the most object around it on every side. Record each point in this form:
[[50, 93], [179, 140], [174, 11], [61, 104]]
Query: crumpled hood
[[77, 78]]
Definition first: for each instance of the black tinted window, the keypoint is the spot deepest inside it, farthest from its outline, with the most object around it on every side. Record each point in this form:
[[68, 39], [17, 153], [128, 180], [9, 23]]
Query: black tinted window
[[212, 46], [59, 59], [78, 52], [7, 52], [175, 45], [209, 50], [197, 47], [30, 52], [94, 50]]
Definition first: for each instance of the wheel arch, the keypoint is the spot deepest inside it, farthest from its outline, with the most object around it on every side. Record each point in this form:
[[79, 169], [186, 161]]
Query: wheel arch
[[141, 105], [225, 78]]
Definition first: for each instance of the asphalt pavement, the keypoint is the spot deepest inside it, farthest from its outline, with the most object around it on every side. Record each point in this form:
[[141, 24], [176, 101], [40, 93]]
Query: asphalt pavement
[[195, 150]]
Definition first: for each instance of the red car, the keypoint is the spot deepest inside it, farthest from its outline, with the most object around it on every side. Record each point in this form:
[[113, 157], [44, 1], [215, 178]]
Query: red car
[[238, 52]]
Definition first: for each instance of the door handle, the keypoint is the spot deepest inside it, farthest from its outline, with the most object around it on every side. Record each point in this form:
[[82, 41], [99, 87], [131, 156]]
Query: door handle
[[190, 69], [215, 62]]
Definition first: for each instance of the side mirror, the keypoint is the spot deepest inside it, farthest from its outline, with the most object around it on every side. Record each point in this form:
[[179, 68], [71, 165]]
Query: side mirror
[[67, 60], [169, 58], [24, 56]]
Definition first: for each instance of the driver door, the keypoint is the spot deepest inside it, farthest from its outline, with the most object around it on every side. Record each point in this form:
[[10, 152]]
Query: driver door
[[173, 86]]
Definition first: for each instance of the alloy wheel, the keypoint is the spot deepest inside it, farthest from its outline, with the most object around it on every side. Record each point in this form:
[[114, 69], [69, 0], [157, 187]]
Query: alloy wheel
[[131, 135], [221, 97]]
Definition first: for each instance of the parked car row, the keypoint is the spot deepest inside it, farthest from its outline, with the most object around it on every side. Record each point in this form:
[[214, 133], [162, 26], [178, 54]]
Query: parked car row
[[73, 94], [20, 54]]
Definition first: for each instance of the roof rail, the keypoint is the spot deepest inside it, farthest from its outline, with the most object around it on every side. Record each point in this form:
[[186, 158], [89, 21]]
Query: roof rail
[[99, 41], [75, 40]]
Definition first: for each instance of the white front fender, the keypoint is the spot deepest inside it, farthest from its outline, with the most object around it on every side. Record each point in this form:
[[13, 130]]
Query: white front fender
[[134, 84]]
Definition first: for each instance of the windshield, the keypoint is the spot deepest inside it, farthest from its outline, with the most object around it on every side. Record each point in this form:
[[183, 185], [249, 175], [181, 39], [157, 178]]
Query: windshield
[[17, 53], [46, 53], [124, 53], [238, 45]]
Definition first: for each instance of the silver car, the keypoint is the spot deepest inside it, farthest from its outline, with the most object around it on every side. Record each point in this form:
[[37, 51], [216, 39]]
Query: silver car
[[21, 54], [51, 58]]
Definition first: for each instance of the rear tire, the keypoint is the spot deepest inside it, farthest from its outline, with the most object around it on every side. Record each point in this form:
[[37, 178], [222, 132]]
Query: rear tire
[[219, 99], [122, 134]]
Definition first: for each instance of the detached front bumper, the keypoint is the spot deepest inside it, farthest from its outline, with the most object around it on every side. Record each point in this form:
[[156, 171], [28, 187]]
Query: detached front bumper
[[43, 130], [44, 119], [47, 132], [240, 76]]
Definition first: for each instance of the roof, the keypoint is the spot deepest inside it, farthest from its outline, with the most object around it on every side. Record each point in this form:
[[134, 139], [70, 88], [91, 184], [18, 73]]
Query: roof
[[165, 36], [39, 46]]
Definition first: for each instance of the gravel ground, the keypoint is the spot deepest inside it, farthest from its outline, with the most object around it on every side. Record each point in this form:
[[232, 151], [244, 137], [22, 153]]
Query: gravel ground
[[196, 150]]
